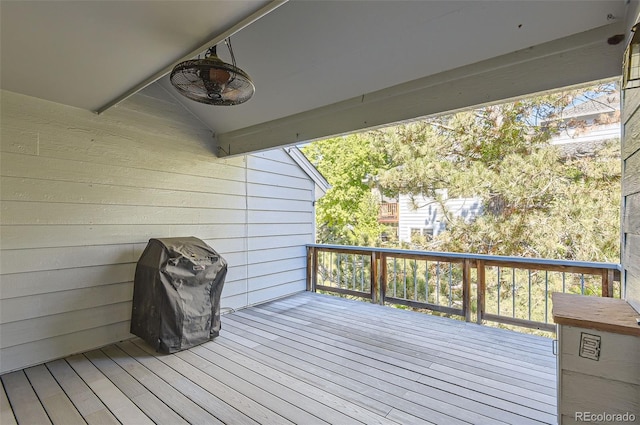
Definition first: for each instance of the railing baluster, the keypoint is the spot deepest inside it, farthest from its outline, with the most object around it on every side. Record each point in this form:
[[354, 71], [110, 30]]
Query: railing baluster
[[325, 271], [438, 282], [327, 268], [499, 290], [513, 292], [331, 281], [546, 296], [404, 278], [362, 274], [426, 281], [582, 283], [450, 284], [356, 271], [353, 277], [415, 279], [564, 289], [395, 276], [529, 294]]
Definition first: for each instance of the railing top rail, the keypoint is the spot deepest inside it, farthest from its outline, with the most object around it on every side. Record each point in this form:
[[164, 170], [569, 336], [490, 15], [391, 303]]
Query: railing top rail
[[457, 255]]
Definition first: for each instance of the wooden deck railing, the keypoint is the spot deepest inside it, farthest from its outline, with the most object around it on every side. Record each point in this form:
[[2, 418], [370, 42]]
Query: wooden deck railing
[[510, 290], [388, 212]]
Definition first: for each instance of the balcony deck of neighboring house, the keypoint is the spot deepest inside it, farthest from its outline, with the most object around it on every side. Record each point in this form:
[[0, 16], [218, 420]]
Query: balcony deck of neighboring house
[[307, 358], [388, 213]]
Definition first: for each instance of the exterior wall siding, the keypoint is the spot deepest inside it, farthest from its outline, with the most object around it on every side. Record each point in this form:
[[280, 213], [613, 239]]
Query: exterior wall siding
[[631, 196], [82, 194], [630, 244]]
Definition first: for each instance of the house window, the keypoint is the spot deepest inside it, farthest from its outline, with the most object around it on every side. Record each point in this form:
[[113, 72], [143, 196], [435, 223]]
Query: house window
[[421, 234]]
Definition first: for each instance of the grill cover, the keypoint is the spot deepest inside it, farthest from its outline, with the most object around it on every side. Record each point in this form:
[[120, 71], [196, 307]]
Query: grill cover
[[176, 295]]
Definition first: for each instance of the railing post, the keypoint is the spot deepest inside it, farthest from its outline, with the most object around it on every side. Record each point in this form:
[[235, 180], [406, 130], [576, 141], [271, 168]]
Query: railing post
[[607, 282], [314, 267], [482, 287], [310, 269], [374, 277], [466, 289]]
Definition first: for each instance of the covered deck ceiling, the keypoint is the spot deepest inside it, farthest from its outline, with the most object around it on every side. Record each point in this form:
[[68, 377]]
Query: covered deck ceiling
[[320, 68]]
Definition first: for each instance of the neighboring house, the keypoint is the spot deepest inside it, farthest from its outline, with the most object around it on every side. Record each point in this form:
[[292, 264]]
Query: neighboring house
[[587, 125], [422, 216], [78, 207]]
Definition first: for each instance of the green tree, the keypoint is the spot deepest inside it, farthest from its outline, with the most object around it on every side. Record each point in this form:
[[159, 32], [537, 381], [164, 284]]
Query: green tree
[[348, 212], [537, 201]]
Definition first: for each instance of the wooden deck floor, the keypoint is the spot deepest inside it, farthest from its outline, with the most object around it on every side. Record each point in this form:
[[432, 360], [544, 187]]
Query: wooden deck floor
[[305, 359]]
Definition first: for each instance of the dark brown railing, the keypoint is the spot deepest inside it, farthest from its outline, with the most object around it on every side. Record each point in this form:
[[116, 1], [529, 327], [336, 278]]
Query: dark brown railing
[[510, 290]]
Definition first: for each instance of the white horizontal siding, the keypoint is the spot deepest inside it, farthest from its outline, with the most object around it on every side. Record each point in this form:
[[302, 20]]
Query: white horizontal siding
[[48, 236], [26, 331], [421, 212], [62, 345], [597, 134], [82, 194], [54, 169], [68, 257], [291, 215], [43, 282]]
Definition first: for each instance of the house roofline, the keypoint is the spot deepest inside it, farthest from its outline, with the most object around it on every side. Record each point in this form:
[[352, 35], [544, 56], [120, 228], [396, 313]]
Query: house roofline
[[321, 183]]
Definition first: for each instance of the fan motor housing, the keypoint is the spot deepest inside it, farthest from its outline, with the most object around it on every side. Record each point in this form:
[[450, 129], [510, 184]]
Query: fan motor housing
[[212, 81]]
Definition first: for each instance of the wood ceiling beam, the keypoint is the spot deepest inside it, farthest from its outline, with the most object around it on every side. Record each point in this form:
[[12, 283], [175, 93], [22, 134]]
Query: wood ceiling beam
[[273, 5], [572, 60]]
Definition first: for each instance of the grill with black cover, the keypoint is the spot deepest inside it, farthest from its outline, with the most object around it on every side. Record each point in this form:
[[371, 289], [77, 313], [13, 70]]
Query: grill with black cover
[[176, 296]]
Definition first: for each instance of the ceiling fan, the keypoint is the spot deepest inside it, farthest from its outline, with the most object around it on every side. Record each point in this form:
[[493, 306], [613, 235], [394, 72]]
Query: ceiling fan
[[212, 81]]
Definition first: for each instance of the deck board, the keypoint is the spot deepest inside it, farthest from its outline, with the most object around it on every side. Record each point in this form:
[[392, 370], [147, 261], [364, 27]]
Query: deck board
[[83, 398], [24, 401], [351, 379], [404, 346], [447, 341], [6, 414], [54, 400], [146, 400], [226, 393], [193, 402], [304, 359], [321, 404], [494, 408], [440, 404], [116, 401]]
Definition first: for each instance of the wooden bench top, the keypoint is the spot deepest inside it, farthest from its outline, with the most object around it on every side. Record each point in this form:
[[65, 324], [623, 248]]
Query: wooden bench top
[[604, 314]]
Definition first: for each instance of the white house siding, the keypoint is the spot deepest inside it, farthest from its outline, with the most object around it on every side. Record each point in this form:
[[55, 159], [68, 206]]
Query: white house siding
[[597, 134], [281, 223], [429, 214], [631, 196], [82, 194]]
